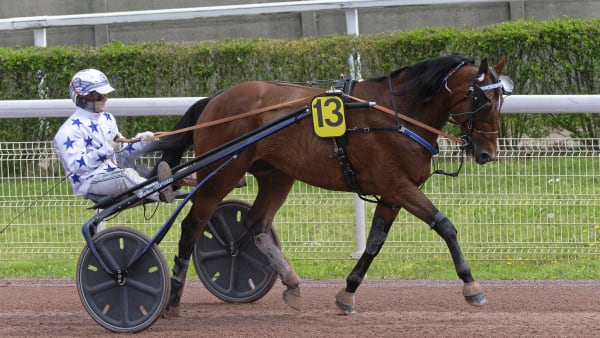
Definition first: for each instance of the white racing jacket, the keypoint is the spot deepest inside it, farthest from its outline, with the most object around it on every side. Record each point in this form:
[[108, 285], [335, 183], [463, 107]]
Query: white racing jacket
[[84, 146]]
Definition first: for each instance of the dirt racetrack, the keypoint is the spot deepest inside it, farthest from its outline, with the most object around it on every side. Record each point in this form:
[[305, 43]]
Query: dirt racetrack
[[385, 308]]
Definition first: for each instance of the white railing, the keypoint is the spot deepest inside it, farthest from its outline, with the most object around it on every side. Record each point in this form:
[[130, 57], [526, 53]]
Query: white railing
[[40, 23], [121, 107], [514, 104]]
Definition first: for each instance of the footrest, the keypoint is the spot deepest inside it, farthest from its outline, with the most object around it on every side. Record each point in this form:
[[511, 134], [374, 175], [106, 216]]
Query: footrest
[[97, 198]]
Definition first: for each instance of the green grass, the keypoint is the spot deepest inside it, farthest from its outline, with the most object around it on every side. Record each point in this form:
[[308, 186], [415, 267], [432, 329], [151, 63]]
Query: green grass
[[380, 269], [529, 218]]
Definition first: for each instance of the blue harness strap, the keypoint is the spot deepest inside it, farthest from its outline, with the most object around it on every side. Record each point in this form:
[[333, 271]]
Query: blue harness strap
[[433, 150]]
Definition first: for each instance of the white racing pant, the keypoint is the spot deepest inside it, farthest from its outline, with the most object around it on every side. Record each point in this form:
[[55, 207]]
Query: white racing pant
[[118, 181]]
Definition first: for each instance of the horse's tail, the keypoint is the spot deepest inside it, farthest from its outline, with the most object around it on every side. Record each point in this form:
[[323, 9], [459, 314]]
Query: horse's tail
[[174, 146]]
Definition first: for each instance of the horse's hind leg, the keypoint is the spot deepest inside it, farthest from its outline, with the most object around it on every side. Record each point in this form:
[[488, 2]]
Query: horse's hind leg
[[180, 267], [382, 221], [274, 187], [205, 203]]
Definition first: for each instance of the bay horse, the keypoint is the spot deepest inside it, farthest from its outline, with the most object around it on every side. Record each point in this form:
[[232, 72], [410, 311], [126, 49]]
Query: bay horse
[[385, 155]]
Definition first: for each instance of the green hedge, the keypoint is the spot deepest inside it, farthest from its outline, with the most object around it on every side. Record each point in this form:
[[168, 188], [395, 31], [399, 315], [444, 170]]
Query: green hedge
[[559, 56]]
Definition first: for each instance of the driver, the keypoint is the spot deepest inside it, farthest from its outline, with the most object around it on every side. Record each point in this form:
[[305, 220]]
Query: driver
[[89, 148]]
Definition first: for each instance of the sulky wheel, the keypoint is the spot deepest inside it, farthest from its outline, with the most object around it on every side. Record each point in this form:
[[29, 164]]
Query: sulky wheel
[[140, 298], [226, 259]]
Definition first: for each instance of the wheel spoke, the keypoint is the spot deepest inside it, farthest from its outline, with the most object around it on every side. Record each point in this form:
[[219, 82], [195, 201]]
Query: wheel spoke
[[107, 256], [210, 255], [255, 261], [143, 287], [234, 273], [218, 228], [125, 307], [101, 287]]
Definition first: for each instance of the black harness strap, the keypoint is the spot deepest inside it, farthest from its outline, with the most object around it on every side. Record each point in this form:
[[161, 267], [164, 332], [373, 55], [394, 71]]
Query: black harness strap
[[340, 143], [339, 151], [348, 173], [345, 85]]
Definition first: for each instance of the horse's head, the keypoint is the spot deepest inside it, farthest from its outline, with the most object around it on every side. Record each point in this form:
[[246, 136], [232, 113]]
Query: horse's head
[[478, 111]]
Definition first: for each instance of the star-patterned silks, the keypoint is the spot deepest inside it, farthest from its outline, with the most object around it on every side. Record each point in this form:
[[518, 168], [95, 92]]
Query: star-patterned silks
[[93, 127], [76, 122], [82, 145], [69, 143]]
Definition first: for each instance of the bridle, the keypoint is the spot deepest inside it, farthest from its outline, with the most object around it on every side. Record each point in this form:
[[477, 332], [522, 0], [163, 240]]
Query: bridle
[[480, 102]]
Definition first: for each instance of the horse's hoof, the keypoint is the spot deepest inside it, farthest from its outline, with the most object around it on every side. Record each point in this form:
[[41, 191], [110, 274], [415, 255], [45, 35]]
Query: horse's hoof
[[474, 294], [291, 296], [476, 300], [345, 301], [171, 312]]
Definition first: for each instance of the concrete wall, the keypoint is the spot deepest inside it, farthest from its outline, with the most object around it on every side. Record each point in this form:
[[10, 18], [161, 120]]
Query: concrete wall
[[284, 25]]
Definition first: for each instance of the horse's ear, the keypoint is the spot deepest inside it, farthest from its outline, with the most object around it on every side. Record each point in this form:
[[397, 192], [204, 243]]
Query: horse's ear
[[483, 67], [500, 66]]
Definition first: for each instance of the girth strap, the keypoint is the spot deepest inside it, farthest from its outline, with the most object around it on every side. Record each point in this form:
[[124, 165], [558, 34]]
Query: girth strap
[[340, 143], [348, 173]]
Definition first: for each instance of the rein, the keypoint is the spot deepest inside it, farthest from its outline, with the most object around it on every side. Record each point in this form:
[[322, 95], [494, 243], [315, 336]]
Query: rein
[[413, 121], [33, 203], [287, 103], [223, 120]]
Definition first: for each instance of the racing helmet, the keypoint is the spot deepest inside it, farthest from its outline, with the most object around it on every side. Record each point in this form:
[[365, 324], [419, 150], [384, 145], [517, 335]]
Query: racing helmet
[[85, 84]]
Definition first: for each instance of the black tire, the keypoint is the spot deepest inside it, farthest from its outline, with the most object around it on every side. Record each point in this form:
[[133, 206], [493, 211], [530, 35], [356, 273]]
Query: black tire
[[227, 260], [141, 299]]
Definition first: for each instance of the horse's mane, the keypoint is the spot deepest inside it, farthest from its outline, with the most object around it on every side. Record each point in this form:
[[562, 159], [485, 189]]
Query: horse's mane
[[427, 76]]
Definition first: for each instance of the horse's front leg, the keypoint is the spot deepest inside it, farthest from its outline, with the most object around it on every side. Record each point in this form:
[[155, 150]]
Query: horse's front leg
[[382, 221], [419, 205], [472, 291]]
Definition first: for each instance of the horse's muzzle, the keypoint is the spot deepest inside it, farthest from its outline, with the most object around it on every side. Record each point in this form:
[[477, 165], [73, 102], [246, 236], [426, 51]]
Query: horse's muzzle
[[484, 157], [482, 152]]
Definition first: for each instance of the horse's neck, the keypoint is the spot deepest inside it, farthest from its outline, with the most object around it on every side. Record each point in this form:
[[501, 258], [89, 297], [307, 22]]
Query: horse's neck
[[432, 113], [371, 90]]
